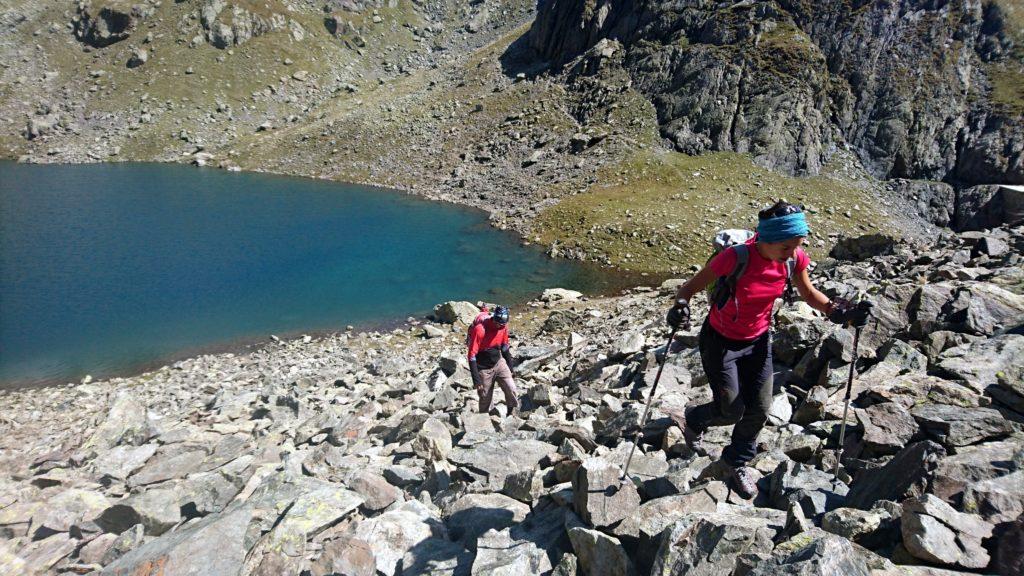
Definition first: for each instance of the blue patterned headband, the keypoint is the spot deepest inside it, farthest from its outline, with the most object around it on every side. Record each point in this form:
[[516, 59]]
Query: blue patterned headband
[[782, 228]]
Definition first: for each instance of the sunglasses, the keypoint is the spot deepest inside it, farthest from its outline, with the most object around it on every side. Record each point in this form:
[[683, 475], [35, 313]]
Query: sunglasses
[[779, 211]]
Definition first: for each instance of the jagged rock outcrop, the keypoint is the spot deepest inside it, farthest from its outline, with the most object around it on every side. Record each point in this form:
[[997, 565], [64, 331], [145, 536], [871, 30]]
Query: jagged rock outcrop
[[357, 5], [903, 83], [228, 24], [101, 23]]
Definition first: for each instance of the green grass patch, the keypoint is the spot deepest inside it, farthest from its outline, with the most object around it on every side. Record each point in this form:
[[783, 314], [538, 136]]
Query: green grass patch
[[1013, 11], [658, 211], [788, 50], [1007, 86]]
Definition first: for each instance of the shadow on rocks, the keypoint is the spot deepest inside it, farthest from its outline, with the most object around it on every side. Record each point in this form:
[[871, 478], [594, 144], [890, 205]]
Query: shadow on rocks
[[521, 58]]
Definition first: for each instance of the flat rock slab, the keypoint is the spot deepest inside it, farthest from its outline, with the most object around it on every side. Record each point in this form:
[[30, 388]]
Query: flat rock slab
[[212, 546], [710, 543], [66, 510], [41, 555], [978, 364], [394, 533], [313, 511], [653, 516], [438, 557], [816, 552], [163, 468], [346, 555], [471, 516], [121, 461], [954, 426], [282, 550], [933, 531], [499, 457], [997, 500], [973, 464]]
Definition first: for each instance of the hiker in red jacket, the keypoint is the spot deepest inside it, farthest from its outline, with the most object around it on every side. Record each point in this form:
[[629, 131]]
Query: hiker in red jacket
[[490, 360], [736, 340]]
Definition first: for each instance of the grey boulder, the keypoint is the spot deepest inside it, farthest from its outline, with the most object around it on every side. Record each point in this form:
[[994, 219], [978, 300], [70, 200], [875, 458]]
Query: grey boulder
[[815, 491], [818, 553], [498, 457], [126, 423], [933, 531], [710, 543], [978, 364], [599, 496], [471, 516], [212, 546], [955, 426], [599, 554]]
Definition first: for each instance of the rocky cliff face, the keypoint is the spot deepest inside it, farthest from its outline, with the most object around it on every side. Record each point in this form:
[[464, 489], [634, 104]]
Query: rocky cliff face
[[906, 84]]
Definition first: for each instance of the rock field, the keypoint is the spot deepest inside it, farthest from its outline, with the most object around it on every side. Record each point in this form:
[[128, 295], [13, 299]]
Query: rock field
[[362, 454]]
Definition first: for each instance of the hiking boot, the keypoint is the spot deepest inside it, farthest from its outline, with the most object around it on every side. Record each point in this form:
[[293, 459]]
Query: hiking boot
[[694, 440], [744, 482]]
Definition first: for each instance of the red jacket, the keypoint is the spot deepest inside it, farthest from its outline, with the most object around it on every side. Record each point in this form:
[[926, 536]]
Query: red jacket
[[486, 336]]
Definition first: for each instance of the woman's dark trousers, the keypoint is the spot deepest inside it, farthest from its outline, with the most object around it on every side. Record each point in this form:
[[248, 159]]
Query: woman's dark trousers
[[740, 376]]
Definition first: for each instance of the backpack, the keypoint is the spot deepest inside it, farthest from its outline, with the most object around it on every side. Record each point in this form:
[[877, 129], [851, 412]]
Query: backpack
[[723, 289]]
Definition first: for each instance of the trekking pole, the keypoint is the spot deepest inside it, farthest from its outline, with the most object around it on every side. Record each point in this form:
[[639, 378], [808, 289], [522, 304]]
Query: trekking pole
[[846, 409], [650, 400]]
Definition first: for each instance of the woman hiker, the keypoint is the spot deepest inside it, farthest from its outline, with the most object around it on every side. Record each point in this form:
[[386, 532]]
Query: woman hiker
[[736, 340]]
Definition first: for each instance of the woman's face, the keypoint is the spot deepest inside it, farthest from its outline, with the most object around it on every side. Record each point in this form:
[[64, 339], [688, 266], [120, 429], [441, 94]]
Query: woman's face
[[781, 251]]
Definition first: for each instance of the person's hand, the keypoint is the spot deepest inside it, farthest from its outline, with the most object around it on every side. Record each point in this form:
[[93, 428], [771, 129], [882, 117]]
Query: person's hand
[[846, 313], [678, 314], [859, 315], [840, 307]]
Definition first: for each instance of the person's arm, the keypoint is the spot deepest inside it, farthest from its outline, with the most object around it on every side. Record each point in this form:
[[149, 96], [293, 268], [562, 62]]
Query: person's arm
[[700, 281], [475, 337], [811, 295]]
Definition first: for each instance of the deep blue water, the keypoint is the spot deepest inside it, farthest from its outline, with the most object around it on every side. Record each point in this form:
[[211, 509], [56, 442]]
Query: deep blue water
[[107, 269]]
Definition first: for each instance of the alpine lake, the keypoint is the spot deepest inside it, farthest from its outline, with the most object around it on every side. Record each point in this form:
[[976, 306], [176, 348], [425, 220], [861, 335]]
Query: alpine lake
[[112, 269]]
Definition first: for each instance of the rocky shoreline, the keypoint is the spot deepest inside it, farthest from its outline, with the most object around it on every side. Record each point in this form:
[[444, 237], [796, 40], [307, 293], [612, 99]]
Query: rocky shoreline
[[362, 453]]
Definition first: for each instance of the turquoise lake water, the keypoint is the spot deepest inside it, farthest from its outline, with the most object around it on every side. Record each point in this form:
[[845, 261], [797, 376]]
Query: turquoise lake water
[[109, 269]]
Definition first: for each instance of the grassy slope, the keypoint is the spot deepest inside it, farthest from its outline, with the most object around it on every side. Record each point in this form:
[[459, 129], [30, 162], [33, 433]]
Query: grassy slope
[[177, 100], [1007, 78], [660, 210]]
